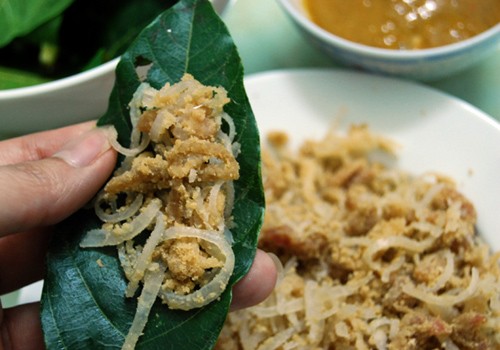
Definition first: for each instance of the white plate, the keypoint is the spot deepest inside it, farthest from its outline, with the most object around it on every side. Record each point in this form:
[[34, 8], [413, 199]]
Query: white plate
[[437, 132]]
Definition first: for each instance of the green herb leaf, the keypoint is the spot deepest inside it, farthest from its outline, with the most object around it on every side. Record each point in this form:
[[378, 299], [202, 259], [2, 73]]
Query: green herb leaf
[[114, 25], [83, 303], [21, 17], [13, 78]]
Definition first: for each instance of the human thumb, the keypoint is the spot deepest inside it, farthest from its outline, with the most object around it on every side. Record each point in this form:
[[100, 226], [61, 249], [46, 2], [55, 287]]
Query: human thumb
[[43, 192]]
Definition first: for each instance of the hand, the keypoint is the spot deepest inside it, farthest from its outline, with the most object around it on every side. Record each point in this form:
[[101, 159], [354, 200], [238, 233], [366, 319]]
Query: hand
[[44, 178]]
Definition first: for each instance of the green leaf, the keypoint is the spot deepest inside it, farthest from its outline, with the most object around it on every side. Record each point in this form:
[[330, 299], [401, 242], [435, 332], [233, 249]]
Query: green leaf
[[115, 24], [83, 303], [106, 29], [13, 78], [18, 17]]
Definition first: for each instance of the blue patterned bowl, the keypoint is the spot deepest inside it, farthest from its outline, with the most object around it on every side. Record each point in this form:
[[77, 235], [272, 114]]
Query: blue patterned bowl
[[425, 64]]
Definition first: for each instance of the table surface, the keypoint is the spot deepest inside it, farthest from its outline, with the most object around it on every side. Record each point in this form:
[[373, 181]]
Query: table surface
[[267, 40]]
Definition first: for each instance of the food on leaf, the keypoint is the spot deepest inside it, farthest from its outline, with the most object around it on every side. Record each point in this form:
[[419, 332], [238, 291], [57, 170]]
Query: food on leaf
[[183, 179], [120, 273]]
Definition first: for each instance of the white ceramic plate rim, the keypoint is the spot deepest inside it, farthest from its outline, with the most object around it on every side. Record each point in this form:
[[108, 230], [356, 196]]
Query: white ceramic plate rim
[[437, 132]]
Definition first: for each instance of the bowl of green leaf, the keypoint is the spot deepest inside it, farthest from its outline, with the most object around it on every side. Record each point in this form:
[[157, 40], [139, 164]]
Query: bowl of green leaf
[[58, 57]]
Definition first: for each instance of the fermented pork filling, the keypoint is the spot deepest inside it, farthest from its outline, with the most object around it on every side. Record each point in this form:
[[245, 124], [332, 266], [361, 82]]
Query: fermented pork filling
[[374, 257], [168, 206]]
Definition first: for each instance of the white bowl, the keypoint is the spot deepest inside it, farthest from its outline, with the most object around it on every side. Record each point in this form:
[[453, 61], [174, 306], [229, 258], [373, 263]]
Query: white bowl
[[425, 65], [65, 101], [79, 97]]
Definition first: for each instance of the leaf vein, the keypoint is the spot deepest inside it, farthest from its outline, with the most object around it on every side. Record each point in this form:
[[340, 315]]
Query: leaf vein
[[101, 311], [170, 330], [59, 335]]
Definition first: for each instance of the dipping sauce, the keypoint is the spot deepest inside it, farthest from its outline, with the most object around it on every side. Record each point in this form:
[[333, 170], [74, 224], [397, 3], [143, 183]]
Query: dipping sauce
[[404, 24]]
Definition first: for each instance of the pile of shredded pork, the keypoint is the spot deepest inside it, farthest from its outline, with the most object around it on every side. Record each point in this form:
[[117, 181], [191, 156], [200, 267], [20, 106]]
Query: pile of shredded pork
[[374, 258], [168, 207]]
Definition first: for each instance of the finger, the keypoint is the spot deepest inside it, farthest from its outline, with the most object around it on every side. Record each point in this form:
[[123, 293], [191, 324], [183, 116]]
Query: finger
[[258, 283], [20, 328], [43, 192], [22, 257], [39, 145]]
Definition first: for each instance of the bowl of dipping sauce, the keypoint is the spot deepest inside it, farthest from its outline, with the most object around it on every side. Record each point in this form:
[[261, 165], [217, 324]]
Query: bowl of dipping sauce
[[416, 39]]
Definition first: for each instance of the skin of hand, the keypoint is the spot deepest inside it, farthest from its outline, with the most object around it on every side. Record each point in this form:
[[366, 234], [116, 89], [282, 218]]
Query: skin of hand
[[44, 178]]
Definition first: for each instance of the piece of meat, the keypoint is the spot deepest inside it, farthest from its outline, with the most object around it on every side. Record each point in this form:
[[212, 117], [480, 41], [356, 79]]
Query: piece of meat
[[469, 333], [419, 331]]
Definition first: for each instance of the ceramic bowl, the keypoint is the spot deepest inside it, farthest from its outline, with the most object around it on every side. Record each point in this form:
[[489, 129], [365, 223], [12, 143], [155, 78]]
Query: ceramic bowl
[[425, 64], [65, 101]]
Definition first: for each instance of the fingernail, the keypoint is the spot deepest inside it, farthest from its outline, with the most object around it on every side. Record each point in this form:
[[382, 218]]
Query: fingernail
[[280, 271], [85, 149]]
